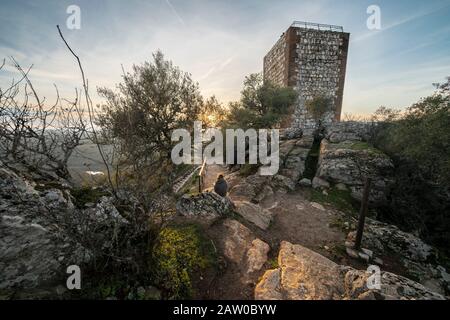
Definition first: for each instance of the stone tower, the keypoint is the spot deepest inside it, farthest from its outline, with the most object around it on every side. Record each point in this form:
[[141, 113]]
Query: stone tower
[[312, 59]]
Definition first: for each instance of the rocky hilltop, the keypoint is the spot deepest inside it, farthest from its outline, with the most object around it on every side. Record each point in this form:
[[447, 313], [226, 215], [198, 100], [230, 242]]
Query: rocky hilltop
[[34, 250], [312, 265], [277, 237]]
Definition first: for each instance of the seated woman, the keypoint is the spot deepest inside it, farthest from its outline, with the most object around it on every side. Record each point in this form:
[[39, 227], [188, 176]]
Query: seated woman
[[221, 186]]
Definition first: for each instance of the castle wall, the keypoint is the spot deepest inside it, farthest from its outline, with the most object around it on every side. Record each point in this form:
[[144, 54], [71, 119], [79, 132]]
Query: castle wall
[[275, 63], [313, 62]]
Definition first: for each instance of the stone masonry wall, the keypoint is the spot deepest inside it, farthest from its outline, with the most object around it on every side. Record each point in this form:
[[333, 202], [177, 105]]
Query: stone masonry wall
[[313, 62], [275, 62]]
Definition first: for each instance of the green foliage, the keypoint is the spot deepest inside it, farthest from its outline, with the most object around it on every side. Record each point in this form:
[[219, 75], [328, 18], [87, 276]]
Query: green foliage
[[179, 252], [139, 117], [262, 105], [273, 263], [419, 143], [423, 136], [360, 145], [339, 199], [248, 169], [86, 194], [318, 106]]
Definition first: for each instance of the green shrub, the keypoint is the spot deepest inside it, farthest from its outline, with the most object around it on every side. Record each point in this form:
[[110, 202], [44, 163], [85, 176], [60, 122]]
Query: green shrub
[[179, 252], [418, 142], [248, 169], [318, 106], [85, 195], [339, 199], [262, 105]]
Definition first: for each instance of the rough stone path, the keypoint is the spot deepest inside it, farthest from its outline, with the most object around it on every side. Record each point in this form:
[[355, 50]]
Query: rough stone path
[[212, 171], [295, 219], [300, 221]]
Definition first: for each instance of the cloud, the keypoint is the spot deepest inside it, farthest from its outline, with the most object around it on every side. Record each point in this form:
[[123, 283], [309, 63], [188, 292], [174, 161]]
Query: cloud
[[175, 12]]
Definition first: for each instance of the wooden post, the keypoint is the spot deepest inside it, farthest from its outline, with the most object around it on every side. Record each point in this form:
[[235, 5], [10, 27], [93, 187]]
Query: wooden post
[[362, 214]]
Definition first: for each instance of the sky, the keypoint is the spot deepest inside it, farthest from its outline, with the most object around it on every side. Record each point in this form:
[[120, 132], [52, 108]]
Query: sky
[[220, 42]]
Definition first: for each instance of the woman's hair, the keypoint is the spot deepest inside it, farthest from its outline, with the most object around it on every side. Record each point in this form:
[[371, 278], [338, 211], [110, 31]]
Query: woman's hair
[[220, 176]]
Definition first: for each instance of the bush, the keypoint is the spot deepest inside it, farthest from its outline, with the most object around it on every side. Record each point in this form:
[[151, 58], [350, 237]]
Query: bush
[[262, 104], [179, 252], [339, 199], [419, 143], [318, 106], [85, 194]]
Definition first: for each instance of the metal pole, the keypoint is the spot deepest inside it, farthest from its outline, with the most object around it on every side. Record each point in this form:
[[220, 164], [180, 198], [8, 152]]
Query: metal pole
[[362, 213]]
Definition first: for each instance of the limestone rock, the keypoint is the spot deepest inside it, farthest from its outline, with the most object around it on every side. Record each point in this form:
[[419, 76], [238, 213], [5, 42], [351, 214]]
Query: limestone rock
[[33, 251], [416, 256], [306, 275], [251, 188], [293, 154], [238, 239], [392, 287], [349, 130], [320, 183], [293, 133], [254, 213], [318, 206], [305, 182], [257, 255], [205, 207], [349, 162], [242, 248], [269, 288], [283, 183]]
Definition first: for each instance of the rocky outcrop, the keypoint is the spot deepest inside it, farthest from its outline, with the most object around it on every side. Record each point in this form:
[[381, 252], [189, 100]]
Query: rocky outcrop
[[349, 162], [305, 275], [418, 258], [254, 213], [205, 207], [242, 248], [293, 154], [393, 287], [349, 131], [33, 251], [253, 188]]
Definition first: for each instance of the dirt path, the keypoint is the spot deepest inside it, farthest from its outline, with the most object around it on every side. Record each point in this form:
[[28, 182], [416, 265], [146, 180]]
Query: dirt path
[[297, 220], [212, 171]]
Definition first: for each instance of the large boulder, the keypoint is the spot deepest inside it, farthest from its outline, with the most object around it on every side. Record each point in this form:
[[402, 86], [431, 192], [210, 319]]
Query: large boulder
[[34, 253], [416, 256], [349, 162], [349, 130], [291, 133], [253, 188], [392, 287], [205, 207], [254, 213], [241, 247], [306, 275], [302, 275]]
